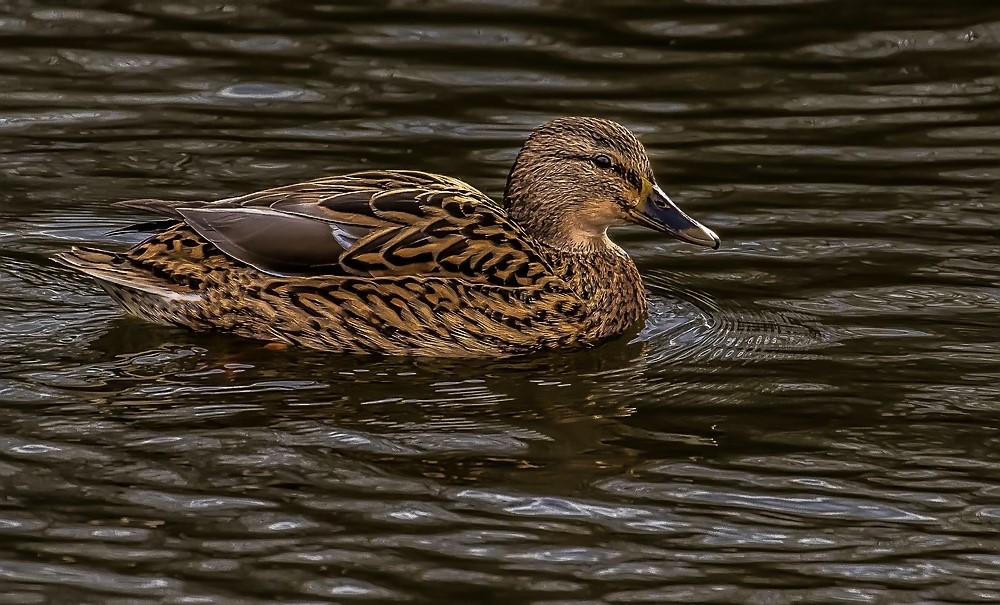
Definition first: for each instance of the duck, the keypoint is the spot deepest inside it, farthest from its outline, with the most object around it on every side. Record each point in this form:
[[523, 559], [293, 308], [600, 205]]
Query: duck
[[403, 262]]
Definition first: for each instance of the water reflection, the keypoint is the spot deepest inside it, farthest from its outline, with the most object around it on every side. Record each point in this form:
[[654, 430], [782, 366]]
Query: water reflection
[[808, 415]]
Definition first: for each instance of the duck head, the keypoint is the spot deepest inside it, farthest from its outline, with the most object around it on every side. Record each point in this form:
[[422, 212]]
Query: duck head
[[575, 177]]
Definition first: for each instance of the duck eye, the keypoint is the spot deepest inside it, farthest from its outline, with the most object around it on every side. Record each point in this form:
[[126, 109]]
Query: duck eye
[[602, 161]]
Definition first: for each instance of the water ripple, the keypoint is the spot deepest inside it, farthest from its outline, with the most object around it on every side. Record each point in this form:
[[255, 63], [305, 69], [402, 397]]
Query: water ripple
[[807, 415]]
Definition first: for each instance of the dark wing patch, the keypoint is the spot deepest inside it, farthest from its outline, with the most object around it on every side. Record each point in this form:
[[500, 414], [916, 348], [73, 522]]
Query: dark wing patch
[[273, 242]]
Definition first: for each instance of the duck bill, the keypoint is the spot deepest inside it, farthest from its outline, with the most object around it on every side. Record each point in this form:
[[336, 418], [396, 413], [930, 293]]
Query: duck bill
[[658, 212]]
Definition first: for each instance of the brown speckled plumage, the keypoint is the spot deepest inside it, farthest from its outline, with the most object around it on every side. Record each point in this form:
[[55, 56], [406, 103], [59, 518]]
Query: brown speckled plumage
[[410, 263]]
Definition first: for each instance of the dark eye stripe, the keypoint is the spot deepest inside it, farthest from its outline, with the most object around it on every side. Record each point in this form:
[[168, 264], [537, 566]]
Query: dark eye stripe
[[629, 176]]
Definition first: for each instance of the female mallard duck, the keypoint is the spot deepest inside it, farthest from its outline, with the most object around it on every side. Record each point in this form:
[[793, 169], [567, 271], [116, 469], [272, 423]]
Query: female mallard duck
[[408, 263]]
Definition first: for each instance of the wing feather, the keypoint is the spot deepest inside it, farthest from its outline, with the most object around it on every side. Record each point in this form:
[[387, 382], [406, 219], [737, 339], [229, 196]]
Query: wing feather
[[368, 224], [268, 240]]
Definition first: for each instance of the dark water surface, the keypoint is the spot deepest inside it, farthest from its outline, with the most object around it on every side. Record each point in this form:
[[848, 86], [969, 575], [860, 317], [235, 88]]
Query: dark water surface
[[811, 414]]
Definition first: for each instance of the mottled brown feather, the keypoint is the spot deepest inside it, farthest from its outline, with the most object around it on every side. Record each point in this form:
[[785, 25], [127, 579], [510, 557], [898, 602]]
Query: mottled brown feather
[[398, 262]]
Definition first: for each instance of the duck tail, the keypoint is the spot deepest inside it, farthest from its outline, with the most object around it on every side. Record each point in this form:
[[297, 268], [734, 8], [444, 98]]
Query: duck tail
[[136, 289], [161, 207]]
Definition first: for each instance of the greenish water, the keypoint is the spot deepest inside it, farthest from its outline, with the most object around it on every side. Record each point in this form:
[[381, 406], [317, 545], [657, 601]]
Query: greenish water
[[810, 415]]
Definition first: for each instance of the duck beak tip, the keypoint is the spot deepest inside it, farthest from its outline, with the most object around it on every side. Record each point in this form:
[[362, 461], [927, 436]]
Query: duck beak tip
[[659, 212]]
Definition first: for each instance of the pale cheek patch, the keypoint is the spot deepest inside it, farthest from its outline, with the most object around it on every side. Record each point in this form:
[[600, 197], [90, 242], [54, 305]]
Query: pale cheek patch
[[596, 215]]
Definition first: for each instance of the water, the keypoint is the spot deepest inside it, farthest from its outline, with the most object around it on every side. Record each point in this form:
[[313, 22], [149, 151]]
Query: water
[[810, 415]]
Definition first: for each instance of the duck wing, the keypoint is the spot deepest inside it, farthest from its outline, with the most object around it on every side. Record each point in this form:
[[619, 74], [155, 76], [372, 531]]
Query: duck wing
[[367, 224]]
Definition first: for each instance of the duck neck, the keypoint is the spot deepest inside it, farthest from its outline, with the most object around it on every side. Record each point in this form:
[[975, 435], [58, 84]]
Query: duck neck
[[561, 225], [608, 282], [558, 229]]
